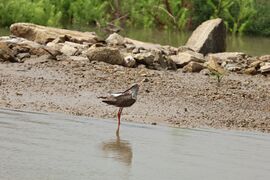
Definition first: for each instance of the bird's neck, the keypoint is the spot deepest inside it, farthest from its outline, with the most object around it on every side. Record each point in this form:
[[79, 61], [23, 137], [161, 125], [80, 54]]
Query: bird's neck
[[134, 93]]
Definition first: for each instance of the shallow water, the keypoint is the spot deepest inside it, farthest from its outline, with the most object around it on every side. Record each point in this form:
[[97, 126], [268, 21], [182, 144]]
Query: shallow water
[[252, 45], [56, 146]]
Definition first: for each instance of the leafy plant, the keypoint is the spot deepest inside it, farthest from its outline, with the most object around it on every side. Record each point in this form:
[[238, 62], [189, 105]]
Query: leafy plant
[[218, 76], [237, 14], [240, 16]]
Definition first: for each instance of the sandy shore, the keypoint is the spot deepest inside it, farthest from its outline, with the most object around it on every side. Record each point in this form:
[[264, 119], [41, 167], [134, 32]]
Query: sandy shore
[[172, 98]]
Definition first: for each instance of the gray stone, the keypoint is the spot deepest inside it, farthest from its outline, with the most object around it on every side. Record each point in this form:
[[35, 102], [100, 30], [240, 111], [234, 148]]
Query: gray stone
[[56, 46], [232, 67], [147, 58], [265, 58], [265, 68], [68, 50], [79, 58], [115, 39], [154, 60], [209, 37], [37, 60], [235, 56], [129, 61], [105, 54], [144, 45], [23, 55]]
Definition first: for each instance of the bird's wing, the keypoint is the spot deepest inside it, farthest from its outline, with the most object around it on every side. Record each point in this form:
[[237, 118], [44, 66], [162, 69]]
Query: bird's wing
[[116, 94]]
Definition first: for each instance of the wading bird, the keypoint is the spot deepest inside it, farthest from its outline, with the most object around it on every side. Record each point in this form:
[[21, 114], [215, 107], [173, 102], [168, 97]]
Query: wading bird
[[122, 100]]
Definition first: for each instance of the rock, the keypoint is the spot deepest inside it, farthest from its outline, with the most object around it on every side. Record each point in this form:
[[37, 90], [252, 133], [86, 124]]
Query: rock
[[43, 35], [68, 50], [255, 64], [21, 45], [56, 46], [251, 71], [193, 67], [183, 58], [232, 61], [169, 50], [78, 46], [265, 58], [79, 58], [115, 39], [129, 61], [21, 56], [147, 58], [214, 67], [144, 45], [205, 72], [184, 48], [209, 37], [265, 68], [6, 53], [37, 60], [235, 56], [105, 54], [154, 60], [232, 67]]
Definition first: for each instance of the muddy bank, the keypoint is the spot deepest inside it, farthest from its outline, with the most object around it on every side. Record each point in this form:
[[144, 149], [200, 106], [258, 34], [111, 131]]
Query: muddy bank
[[167, 97], [56, 70]]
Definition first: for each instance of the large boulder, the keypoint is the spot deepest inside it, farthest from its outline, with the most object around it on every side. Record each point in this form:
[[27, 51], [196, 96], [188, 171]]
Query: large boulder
[[42, 34], [209, 37], [105, 54]]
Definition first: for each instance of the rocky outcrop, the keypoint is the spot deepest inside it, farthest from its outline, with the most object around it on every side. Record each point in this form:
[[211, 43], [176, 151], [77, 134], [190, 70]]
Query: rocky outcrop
[[42, 34], [209, 37], [44, 44]]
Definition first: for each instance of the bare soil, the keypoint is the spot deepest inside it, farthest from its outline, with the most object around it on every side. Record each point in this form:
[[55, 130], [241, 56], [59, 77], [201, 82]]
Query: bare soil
[[170, 98]]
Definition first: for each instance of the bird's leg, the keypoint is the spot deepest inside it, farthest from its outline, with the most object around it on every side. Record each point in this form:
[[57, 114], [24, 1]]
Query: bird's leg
[[119, 116]]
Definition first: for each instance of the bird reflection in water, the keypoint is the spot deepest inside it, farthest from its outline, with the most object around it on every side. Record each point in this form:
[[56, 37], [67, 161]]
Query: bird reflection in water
[[118, 149]]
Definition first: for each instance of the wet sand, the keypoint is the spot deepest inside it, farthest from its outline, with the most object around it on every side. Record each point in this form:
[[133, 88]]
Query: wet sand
[[170, 98]]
